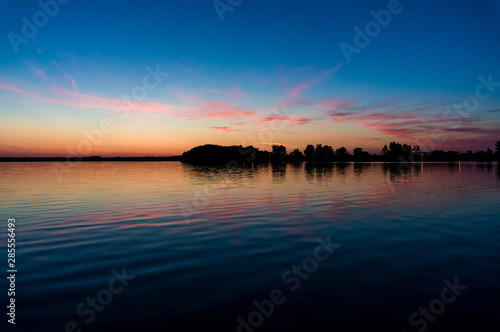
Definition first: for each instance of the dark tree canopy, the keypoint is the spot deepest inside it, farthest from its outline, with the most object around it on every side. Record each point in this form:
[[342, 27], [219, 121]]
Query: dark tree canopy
[[309, 152], [211, 154], [394, 152], [296, 156], [278, 153], [401, 152], [497, 149]]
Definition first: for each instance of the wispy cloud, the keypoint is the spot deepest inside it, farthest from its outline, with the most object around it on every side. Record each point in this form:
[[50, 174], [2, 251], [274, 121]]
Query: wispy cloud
[[70, 79], [200, 107], [85, 101], [292, 104], [73, 83], [335, 103], [349, 138], [5, 86], [298, 89], [271, 143], [402, 120], [221, 92], [227, 129], [38, 72], [290, 120]]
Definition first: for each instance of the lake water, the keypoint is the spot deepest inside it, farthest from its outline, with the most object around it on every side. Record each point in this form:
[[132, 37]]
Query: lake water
[[197, 246]]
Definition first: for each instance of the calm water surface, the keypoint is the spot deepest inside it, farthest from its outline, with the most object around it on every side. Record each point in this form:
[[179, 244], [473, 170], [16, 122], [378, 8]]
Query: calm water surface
[[204, 243]]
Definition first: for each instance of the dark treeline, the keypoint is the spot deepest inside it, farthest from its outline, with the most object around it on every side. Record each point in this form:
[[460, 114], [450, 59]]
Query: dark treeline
[[394, 152]]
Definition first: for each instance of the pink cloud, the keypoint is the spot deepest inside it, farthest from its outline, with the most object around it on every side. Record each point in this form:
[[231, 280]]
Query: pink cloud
[[271, 143], [221, 92], [334, 103], [291, 119], [186, 97], [244, 131], [5, 86], [292, 103], [349, 138], [475, 131], [73, 83], [224, 110], [70, 79], [91, 101], [297, 90], [38, 72], [206, 108], [226, 129], [409, 129], [406, 121], [78, 100]]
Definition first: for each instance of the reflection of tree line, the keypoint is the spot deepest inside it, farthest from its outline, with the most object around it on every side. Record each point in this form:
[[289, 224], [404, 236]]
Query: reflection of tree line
[[399, 172], [395, 172], [323, 171], [395, 152], [217, 177], [209, 173]]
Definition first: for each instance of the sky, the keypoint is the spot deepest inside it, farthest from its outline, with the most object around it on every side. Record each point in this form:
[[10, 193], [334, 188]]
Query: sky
[[142, 78]]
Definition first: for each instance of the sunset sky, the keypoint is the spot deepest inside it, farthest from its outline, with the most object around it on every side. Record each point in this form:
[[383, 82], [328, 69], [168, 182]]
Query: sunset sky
[[92, 78]]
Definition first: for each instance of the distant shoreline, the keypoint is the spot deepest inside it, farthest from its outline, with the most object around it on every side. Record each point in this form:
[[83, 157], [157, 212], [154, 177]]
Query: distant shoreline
[[177, 158], [94, 158]]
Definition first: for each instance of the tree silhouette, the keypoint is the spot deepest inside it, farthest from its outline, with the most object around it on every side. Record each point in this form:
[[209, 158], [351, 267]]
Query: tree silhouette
[[296, 156], [385, 150], [278, 153], [342, 155], [497, 149], [489, 155], [328, 153], [341, 151], [394, 152], [360, 155], [400, 152], [309, 152], [318, 152]]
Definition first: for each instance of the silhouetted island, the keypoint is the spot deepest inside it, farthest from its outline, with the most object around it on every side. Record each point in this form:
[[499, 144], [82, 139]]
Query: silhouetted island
[[212, 154]]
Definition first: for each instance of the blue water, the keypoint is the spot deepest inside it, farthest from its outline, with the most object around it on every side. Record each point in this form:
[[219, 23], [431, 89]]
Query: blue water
[[201, 244]]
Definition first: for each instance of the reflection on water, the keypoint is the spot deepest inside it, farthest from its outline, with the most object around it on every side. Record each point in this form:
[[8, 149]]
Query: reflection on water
[[359, 168], [403, 229], [279, 172]]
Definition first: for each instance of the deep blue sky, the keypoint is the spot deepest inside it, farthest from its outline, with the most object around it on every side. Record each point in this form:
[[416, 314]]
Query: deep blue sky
[[262, 55]]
